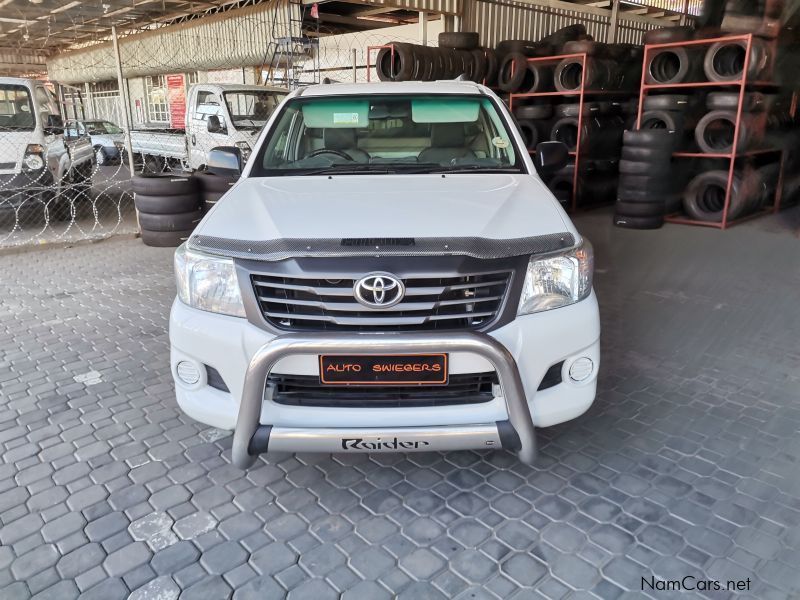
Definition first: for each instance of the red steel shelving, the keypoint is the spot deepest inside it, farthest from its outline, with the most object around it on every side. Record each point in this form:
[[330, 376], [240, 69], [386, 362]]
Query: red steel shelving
[[732, 157]]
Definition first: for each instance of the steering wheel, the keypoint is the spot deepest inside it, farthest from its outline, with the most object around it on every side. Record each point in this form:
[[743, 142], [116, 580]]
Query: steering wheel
[[338, 153]]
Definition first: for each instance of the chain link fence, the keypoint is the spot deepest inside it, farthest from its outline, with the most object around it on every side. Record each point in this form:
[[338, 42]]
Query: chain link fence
[[69, 145]]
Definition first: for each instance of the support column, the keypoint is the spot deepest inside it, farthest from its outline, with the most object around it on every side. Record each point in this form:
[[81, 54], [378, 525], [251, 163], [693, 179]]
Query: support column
[[123, 96], [423, 28], [613, 23]]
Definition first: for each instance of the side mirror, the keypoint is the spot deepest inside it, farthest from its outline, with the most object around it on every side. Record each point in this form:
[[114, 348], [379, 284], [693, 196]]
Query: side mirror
[[213, 124], [225, 161], [54, 125], [550, 156]]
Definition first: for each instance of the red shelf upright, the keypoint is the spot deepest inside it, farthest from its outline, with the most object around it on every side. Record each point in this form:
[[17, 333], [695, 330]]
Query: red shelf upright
[[741, 85]]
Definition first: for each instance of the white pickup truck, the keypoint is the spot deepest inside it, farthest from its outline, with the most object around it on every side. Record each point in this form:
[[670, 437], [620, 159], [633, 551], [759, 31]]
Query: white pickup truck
[[38, 163], [389, 274], [216, 115]]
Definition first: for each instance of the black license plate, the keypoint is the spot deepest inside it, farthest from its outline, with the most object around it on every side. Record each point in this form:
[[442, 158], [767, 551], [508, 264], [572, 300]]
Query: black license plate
[[391, 369]]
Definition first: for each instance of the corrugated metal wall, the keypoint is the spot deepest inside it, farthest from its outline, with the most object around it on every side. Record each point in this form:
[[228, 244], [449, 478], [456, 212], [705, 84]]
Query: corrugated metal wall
[[498, 20], [449, 7], [233, 39]]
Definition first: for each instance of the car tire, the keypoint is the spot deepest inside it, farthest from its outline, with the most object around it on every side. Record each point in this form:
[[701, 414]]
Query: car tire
[[170, 222], [638, 222], [639, 209], [565, 130], [165, 239], [587, 47], [492, 65], [530, 133], [568, 75], [704, 197], [649, 183], [724, 61], [633, 195], [572, 109], [661, 119], [534, 111], [652, 168], [644, 153], [650, 138], [753, 101], [673, 102], [667, 35], [208, 182], [163, 184], [479, 65], [715, 132], [525, 47], [667, 66], [459, 40], [166, 205], [404, 63], [566, 34], [512, 72]]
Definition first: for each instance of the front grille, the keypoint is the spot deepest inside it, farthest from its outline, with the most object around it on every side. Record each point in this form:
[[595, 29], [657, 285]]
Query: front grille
[[430, 303], [306, 390]]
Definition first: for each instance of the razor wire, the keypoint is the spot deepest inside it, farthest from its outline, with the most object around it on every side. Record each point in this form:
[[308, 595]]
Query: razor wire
[[82, 189]]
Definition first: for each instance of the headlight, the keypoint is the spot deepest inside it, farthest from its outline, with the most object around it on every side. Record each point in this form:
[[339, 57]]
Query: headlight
[[557, 279], [244, 147], [33, 159], [207, 282]]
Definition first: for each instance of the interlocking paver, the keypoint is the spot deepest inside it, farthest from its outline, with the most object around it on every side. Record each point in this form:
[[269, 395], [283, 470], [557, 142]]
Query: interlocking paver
[[686, 462]]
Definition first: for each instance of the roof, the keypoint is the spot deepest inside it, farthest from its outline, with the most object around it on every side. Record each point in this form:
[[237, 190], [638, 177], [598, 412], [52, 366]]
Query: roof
[[393, 87]]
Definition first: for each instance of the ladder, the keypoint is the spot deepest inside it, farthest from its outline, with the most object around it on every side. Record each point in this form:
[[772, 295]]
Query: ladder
[[292, 57]]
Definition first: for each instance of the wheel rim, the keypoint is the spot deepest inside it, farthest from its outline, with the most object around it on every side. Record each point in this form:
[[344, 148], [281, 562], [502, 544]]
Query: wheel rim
[[100, 156]]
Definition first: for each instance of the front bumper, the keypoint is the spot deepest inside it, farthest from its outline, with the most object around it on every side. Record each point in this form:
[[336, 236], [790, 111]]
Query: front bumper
[[521, 352], [251, 437]]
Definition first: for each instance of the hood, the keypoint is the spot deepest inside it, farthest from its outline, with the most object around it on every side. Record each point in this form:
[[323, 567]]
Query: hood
[[494, 206]]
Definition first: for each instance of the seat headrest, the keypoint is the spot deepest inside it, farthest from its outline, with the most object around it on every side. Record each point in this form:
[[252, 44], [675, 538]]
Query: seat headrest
[[339, 139], [447, 135]]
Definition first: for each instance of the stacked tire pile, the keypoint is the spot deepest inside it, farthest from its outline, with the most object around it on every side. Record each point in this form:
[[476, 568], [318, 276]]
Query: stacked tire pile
[[646, 189], [706, 123], [459, 53], [212, 187], [609, 67], [169, 207]]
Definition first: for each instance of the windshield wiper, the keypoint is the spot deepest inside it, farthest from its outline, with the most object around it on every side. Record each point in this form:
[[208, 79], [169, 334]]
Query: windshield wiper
[[437, 168], [337, 169]]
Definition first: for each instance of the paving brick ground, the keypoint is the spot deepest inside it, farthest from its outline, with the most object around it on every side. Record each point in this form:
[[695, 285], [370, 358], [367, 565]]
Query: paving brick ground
[[687, 464]]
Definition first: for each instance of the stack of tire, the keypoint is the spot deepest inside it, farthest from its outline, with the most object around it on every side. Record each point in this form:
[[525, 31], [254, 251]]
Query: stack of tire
[[458, 54], [212, 187], [168, 206], [645, 191], [719, 62]]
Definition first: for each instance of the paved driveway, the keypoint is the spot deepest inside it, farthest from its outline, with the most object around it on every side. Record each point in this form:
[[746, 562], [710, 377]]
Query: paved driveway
[[687, 464]]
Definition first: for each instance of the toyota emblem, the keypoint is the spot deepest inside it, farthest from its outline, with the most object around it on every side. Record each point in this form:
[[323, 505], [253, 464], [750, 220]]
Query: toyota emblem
[[379, 290]]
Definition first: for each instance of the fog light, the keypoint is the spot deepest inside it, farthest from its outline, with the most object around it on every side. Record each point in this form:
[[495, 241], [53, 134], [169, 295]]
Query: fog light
[[187, 372], [580, 369]]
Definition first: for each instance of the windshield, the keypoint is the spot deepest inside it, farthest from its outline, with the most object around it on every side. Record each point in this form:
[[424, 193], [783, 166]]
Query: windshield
[[101, 127], [251, 108], [388, 133], [16, 109]]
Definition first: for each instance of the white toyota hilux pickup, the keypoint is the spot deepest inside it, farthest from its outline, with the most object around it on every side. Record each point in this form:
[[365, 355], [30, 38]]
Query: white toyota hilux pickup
[[389, 274]]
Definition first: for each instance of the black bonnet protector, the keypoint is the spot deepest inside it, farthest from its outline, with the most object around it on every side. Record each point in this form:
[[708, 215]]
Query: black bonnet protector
[[476, 247]]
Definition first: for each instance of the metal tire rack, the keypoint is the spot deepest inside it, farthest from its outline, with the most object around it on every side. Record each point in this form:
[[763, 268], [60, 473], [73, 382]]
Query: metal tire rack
[[735, 156], [581, 92]]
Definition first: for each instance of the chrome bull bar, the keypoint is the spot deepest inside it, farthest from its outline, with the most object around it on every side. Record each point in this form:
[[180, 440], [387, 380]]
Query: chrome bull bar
[[252, 437]]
